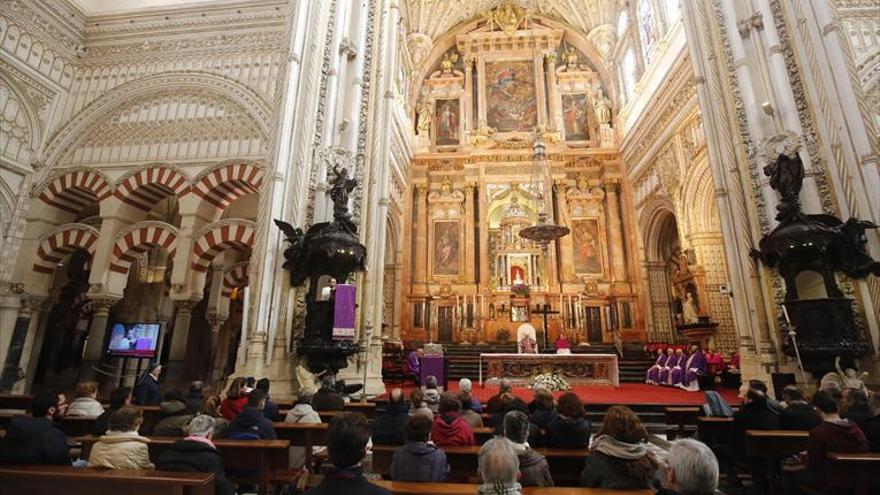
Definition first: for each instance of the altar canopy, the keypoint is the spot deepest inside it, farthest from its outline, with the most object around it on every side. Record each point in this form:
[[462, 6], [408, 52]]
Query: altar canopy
[[592, 369]]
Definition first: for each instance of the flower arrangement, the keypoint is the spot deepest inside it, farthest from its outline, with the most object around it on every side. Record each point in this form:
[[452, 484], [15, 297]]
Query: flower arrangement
[[550, 381], [520, 290]]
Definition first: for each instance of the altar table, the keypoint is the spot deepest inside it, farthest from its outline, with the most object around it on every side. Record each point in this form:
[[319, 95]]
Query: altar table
[[591, 369]]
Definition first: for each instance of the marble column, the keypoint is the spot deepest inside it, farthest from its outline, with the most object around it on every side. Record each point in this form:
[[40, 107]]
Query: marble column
[[215, 366], [420, 240], [468, 93], [615, 234], [483, 203], [174, 370], [10, 302], [469, 254], [16, 345], [565, 244], [555, 117], [94, 351]]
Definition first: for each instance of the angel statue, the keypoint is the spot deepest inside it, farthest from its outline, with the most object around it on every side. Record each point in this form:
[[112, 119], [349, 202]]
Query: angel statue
[[850, 378], [340, 187]]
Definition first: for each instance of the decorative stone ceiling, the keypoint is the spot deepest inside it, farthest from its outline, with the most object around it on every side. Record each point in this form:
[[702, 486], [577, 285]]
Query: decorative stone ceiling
[[434, 18], [94, 7]]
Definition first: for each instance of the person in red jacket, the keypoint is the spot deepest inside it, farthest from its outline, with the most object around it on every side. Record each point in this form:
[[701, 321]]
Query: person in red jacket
[[832, 435], [236, 399], [449, 428]]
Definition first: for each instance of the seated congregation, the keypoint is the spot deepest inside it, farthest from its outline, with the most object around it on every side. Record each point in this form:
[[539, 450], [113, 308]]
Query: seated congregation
[[504, 446]]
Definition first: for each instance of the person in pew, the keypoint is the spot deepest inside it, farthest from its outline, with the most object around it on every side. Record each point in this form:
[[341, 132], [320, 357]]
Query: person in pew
[[122, 447], [857, 409], [327, 398], [467, 412], [689, 468], [571, 429], [533, 467], [211, 407], [146, 389], [499, 401], [419, 459], [35, 439], [509, 402], [302, 411], [542, 408], [86, 401], [249, 384], [465, 385], [760, 386], [174, 416], [388, 427], [834, 434], [251, 424], [195, 396], [798, 414], [715, 405], [418, 405], [620, 458], [196, 453], [432, 394], [347, 439], [753, 414], [498, 468], [872, 425], [120, 397], [236, 399], [271, 409], [449, 428]]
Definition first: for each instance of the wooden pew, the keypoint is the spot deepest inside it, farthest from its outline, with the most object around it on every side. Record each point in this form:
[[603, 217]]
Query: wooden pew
[[483, 434], [79, 481], [268, 457], [405, 488], [565, 464], [771, 446], [368, 409], [303, 434], [12, 401], [861, 469], [681, 418], [710, 428]]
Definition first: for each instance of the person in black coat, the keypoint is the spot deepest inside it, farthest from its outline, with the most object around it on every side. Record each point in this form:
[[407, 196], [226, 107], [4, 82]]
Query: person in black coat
[[271, 408], [146, 390], [347, 439], [389, 427], [857, 409], [36, 439], [798, 413], [755, 414], [195, 397], [571, 428], [120, 397], [872, 424], [251, 424], [327, 398], [197, 454]]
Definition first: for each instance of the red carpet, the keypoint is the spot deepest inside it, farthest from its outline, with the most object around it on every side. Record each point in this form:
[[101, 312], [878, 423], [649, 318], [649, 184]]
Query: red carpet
[[627, 393]]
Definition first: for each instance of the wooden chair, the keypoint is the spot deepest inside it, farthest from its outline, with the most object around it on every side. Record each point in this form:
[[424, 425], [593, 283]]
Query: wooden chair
[[79, 481], [405, 488]]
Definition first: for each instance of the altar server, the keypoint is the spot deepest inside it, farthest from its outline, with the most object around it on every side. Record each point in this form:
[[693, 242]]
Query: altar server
[[676, 372], [667, 365], [653, 375], [694, 367]]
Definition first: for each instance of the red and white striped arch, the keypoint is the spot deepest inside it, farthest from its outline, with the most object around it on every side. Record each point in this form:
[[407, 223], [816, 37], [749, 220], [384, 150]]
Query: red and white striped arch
[[147, 187], [137, 239], [226, 183], [235, 278], [63, 241], [74, 190], [235, 234]]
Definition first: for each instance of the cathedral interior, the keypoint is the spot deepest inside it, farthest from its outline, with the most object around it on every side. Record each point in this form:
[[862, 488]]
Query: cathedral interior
[[147, 146]]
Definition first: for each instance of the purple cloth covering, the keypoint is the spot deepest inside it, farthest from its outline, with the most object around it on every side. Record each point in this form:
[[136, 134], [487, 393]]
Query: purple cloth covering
[[696, 361], [653, 375], [343, 312]]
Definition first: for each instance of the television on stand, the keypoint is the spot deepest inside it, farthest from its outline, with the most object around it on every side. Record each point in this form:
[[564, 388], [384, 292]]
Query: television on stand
[[134, 340]]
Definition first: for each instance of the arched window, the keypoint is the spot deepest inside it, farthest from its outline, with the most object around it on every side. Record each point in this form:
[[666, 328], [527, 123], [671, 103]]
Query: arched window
[[647, 28]]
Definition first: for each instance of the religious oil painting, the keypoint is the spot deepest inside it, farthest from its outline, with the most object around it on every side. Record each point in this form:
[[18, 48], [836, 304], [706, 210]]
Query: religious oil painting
[[446, 248], [574, 113], [511, 94], [446, 118], [587, 254]]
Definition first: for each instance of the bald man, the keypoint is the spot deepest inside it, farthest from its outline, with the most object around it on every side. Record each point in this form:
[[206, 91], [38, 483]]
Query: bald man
[[389, 426]]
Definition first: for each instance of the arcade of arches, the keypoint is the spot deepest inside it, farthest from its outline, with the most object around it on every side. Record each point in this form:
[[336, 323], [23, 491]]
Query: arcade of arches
[[145, 151]]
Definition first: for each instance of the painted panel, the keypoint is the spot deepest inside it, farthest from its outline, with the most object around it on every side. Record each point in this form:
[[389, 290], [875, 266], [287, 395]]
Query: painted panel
[[446, 119], [587, 254], [574, 113], [510, 94], [447, 250]]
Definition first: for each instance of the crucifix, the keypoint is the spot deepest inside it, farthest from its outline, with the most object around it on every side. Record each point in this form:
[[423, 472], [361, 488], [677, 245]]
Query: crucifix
[[545, 310]]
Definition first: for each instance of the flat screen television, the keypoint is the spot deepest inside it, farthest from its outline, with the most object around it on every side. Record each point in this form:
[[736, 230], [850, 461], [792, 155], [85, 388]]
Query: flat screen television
[[138, 340]]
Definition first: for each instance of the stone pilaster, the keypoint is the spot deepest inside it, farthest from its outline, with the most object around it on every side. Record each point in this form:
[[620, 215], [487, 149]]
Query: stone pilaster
[[615, 232]]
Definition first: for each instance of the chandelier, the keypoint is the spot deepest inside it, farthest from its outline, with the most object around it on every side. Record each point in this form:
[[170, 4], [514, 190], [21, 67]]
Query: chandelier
[[543, 231]]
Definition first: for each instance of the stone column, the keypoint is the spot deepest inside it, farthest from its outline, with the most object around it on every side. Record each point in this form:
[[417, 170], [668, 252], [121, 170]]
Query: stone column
[[484, 239], [174, 370], [565, 244], [615, 234], [214, 365], [94, 351], [468, 90], [420, 234], [16, 344], [481, 89], [555, 117], [10, 302], [469, 255]]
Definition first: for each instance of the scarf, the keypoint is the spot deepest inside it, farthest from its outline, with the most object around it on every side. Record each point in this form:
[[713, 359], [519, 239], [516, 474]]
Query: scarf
[[204, 440], [500, 488], [613, 447]]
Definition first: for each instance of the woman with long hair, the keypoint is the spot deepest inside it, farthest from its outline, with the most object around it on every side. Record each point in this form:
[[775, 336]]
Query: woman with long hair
[[236, 399], [619, 458]]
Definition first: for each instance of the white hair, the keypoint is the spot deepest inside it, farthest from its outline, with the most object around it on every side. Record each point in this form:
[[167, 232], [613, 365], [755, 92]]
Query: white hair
[[498, 463], [695, 466], [465, 385], [201, 426]]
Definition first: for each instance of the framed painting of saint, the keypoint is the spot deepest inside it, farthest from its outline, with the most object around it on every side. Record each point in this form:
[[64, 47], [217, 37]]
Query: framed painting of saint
[[446, 122], [447, 250], [510, 94], [575, 116], [587, 250]]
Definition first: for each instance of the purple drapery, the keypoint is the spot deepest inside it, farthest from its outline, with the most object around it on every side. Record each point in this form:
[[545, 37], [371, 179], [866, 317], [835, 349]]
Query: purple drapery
[[343, 312]]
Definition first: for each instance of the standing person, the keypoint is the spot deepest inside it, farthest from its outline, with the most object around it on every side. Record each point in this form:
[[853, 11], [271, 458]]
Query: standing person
[[619, 457], [36, 439], [347, 439], [120, 397], [251, 424], [449, 428], [196, 453], [146, 390], [571, 429], [388, 427], [235, 400], [798, 414], [498, 468], [122, 447], [327, 398], [271, 409], [86, 401], [689, 468], [652, 376], [418, 459], [694, 367], [534, 470], [465, 385]]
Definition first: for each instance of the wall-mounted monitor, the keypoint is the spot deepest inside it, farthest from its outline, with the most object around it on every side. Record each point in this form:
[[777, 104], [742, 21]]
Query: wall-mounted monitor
[[138, 340]]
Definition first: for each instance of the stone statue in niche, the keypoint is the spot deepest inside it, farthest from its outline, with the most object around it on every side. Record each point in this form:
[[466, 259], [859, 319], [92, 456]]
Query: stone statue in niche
[[786, 176], [849, 378], [447, 66], [689, 309], [602, 107], [570, 59], [426, 116]]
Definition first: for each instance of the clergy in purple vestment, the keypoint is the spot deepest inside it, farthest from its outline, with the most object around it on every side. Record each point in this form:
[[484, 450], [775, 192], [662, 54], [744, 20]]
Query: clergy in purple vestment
[[676, 368], [694, 367], [414, 362], [667, 365], [653, 375]]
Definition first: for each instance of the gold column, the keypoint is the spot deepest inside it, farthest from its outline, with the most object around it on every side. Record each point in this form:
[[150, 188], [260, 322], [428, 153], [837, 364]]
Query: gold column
[[565, 250], [484, 238], [615, 236], [469, 258], [420, 239]]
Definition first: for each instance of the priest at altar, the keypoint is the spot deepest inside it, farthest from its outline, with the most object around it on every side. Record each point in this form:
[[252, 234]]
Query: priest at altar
[[526, 339]]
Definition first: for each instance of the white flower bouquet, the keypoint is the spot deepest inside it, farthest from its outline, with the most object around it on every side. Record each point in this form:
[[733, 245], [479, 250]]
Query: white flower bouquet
[[549, 381]]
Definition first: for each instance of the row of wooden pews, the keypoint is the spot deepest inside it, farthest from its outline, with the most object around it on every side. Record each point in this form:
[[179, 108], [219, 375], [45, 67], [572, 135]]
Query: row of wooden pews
[[408, 488], [74, 426], [82, 481]]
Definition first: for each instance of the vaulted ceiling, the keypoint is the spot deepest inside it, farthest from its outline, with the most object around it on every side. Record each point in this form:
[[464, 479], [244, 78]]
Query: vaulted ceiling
[[435, 17]]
